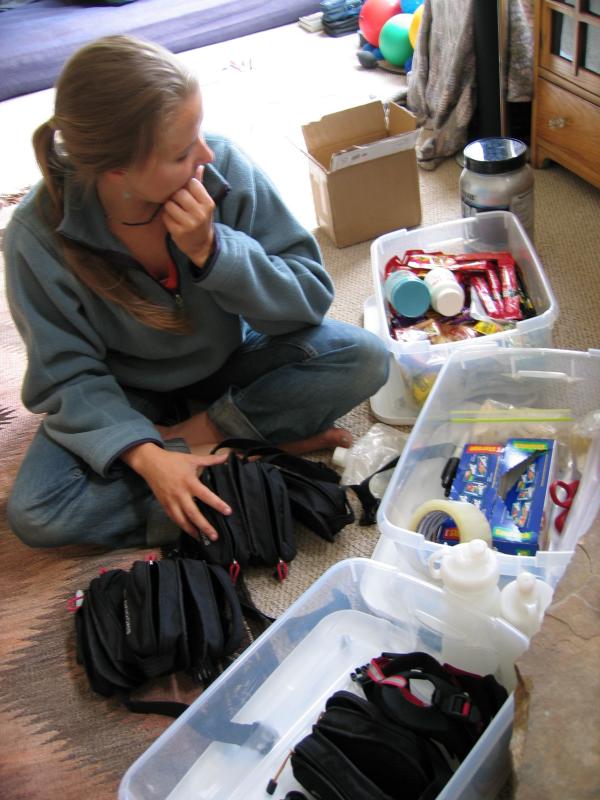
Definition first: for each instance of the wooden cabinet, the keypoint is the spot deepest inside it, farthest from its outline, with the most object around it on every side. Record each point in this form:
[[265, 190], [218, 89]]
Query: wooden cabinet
[[566, 104]]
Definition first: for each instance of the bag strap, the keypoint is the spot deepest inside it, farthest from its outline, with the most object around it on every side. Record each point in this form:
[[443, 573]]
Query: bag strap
[[222, 730], [165, 708], [257, 620], [315, 470], [368, 501], [398, 671], [452, 717], [486, 693]]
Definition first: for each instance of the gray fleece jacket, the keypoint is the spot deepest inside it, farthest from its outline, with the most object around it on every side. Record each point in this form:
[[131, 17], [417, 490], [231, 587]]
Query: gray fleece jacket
[[266, 271]]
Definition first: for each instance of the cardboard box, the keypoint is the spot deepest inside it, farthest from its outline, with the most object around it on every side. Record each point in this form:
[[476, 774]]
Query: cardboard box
[[363, 171]]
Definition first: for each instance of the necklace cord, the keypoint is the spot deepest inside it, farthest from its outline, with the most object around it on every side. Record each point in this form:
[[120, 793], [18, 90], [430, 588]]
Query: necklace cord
[[137, 224]]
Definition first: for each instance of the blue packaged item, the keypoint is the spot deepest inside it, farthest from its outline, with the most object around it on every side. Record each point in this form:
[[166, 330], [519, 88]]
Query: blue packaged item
[[509, 483], [518, 518]]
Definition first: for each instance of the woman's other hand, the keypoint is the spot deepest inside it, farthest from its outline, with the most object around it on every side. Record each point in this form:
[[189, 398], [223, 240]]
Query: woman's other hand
[[188, 217], [174, 479]]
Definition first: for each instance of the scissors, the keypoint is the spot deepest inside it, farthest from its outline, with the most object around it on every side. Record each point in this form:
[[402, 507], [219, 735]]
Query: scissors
[[563, 493]]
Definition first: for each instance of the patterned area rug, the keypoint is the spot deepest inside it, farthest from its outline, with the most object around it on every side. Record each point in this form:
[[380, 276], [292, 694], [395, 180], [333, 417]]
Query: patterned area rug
[[56, 737]]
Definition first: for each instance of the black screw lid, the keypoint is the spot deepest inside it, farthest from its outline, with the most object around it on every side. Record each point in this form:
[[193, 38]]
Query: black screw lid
[[494, 155]]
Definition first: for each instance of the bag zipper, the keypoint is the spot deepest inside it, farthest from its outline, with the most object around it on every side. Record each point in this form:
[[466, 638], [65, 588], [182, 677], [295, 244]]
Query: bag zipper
[[225, 536], [282, 567]]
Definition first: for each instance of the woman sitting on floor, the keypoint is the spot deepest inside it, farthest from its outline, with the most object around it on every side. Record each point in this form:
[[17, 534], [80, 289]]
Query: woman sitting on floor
[[168, 300]]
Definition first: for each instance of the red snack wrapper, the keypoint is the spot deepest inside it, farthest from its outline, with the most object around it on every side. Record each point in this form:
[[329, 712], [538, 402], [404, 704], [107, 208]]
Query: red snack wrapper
[[409, 253], [469, 267], [421, 260], [392, 265], [455, 333], [501, 255], [428, 329], [510, 292], [495, 287], [480, 285]]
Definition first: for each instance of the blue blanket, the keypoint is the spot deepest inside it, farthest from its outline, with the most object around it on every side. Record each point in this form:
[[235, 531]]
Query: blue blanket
[[37, 38]]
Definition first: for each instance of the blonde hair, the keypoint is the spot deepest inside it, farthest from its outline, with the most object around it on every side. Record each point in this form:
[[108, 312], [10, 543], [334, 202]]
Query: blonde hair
[[113, 97]]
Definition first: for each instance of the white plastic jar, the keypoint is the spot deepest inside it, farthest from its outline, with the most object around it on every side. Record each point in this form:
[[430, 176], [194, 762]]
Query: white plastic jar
[[447, 295], [497, 177]]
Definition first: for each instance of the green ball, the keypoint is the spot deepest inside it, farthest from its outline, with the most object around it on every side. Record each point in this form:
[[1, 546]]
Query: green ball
[[394, 41]]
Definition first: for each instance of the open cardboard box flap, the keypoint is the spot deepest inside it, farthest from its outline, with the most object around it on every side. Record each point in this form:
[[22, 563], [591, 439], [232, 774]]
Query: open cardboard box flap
[[355, 127], [363, 171]]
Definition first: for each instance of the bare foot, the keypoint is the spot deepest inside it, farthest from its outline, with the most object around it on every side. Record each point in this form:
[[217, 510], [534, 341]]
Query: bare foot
[[328, 440], [206, 449], [201, 436], [197, 431]]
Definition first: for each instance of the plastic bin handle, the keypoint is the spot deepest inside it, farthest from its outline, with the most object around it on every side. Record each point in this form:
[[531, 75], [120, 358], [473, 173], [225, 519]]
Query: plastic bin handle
[[534, 373]]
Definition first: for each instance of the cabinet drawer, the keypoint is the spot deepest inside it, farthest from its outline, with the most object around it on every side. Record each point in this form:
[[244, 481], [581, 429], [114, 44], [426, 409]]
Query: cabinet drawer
[[568, 128]]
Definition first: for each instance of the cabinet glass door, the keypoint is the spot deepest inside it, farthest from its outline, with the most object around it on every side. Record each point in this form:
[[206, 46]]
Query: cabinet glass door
[[591, 45], [570, 44]]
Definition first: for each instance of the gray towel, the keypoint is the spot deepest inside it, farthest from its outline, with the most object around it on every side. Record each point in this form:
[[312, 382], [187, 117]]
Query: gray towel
[[442, 80]]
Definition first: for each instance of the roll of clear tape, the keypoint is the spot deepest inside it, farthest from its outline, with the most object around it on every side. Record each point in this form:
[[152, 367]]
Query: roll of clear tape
[[470, 522]]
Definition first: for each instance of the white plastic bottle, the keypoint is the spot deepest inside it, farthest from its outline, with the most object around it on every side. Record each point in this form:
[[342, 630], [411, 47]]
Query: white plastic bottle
[[447, 295], [469, 573], [380, 444], [524, 601]]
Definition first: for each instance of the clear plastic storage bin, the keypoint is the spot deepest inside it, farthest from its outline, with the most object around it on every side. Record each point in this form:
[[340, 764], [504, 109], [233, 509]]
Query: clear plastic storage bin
[[533, 378], [273, 693], [416, 364]]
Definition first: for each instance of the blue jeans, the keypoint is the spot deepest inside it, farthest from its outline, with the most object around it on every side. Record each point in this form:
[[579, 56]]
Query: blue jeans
[[274, 388]]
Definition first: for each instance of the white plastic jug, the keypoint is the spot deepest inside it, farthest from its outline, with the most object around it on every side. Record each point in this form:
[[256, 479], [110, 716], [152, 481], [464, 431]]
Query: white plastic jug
[[524, 601], [469, 572]]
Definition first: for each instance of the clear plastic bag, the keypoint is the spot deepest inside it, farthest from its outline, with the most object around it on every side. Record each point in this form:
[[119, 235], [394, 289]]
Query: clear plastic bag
[[379, 445]]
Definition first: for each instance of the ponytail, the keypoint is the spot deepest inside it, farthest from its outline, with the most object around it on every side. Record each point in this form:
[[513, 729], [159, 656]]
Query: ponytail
[[93, 270], [46, 156]]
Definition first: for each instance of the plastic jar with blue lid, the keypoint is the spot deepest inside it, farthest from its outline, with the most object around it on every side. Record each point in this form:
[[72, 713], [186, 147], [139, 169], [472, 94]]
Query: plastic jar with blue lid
[[497, 177], [408, 295]]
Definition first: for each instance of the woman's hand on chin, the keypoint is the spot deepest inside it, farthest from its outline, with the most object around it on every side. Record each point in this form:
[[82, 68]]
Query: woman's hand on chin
[[188, 217]]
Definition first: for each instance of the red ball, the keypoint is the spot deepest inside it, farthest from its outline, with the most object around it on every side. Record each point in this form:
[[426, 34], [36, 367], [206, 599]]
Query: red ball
[[373, 15]]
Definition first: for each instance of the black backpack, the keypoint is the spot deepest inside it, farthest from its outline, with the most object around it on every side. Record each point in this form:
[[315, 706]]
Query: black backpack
[[268, 490], [392, 744], [355, 751], [260, 529], [162, 617], [158, 618], [461, 706]]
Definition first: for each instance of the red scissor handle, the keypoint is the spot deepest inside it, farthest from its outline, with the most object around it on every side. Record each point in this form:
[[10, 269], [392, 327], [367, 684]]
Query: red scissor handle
[[563, 500], [569, 489]]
